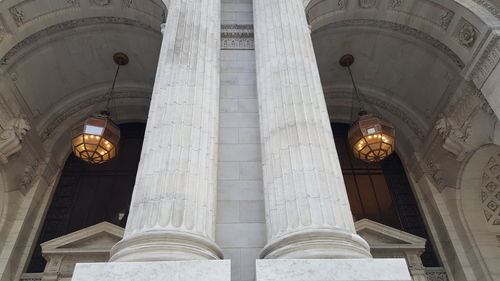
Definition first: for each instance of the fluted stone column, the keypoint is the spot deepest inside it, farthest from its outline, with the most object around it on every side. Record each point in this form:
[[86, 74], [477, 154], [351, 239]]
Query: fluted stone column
[[172, 214], [307, 209]]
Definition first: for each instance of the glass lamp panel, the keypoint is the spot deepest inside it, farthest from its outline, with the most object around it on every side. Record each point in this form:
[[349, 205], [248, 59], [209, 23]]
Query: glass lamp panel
[[93, 130], [96, 140]]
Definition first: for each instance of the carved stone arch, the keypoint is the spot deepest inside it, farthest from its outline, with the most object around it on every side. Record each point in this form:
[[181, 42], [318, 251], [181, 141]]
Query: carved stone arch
[[24, 23], [129, 105], [457, 31], [409, 130], [479, 207]]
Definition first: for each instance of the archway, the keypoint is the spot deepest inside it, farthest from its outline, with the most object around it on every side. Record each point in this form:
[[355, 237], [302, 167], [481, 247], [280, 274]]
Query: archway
[[479, 208], [89, 194], [381, 192]]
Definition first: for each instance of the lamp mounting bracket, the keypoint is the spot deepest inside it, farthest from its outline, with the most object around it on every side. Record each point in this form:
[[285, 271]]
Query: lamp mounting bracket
[[120, 59], [346, 60]]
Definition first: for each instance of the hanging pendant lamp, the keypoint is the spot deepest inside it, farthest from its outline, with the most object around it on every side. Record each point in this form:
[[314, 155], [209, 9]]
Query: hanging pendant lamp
[[97, 140], [370, 138]]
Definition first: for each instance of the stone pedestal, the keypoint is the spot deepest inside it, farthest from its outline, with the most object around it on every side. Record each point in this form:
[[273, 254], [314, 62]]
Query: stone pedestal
[[154, 271], [307, 209], [333, 270], [172, 213]]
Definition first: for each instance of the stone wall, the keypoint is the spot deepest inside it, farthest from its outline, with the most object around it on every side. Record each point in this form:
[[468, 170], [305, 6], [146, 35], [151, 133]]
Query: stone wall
[[241, 229]]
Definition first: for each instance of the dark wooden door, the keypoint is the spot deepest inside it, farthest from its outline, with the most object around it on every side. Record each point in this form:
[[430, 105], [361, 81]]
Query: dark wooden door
[[89, 194]]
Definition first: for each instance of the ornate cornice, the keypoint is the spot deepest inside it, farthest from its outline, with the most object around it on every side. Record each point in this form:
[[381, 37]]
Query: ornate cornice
[[237, 36], [396, 27], [43, 34]]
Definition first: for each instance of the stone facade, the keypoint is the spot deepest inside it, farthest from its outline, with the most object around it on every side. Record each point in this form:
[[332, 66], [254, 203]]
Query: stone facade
[[238, 160]]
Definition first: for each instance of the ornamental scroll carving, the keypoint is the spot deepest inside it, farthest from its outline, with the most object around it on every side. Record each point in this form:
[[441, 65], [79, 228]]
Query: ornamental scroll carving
[[490, 190], [11, 138]]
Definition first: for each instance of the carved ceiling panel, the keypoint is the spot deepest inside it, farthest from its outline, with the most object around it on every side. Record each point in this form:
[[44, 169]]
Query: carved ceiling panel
[[490, 190]]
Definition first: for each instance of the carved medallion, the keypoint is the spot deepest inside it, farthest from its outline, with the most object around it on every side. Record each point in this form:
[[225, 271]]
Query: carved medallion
[[467, 34]]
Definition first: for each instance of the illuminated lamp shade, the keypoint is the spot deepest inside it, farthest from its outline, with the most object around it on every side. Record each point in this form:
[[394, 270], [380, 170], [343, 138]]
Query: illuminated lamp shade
[[96, 140], [371, 139]]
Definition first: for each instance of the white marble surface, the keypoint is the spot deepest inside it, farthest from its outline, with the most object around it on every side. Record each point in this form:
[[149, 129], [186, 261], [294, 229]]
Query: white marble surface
[[333, 270], [307, 209], [154, 271], [172, 213]]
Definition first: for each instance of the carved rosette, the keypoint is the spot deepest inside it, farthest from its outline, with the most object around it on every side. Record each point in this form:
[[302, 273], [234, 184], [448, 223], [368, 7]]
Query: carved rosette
[[466, 34], [490, 190]]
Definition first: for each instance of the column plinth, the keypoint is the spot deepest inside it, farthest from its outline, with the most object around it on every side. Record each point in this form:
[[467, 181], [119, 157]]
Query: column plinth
[[307, 209], [172, 214]]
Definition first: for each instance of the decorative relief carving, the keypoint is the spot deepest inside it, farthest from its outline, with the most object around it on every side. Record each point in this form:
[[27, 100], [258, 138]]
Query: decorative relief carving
[[3, 32], [436, 173], [342, 4], [490, 191], [405, 30], [448, 127], [11, 138], [437, 274], [396, 3], [466, 34], [127, 3], [101, 3], [454, 126], [66, 26], [234, 36], [367, 4], [74, 3], [489, 7], [17, 15], [29, 175], [487, 62], [446, 18]]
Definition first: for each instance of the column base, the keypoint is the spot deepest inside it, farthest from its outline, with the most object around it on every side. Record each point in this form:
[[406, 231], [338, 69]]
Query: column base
[[333, 270], [317, 243], [165, 246], [154, 271]]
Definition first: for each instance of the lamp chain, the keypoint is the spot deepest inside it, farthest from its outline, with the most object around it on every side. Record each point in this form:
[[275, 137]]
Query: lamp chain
[[112, 88], [361, 105]]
